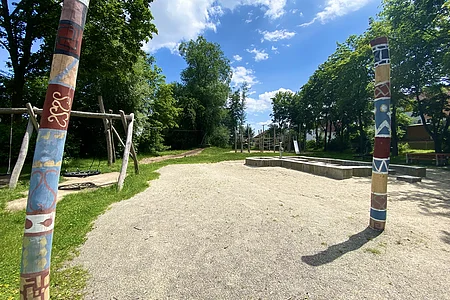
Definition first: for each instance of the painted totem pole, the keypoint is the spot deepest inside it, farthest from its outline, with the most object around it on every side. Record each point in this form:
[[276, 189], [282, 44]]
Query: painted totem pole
[[380, 164], [41, 205]]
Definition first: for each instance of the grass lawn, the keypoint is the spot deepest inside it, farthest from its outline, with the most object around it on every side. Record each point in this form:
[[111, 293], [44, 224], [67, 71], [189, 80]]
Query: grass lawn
[[74, 218]]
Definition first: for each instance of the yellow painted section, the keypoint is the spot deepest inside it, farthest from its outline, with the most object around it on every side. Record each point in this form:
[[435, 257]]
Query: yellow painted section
[[382, 73], [48, 163], [379, 183], [63, 67]]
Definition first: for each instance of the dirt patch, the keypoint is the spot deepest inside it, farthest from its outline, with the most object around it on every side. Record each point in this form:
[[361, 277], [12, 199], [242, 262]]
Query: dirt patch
[[227, 231], [150, 160]]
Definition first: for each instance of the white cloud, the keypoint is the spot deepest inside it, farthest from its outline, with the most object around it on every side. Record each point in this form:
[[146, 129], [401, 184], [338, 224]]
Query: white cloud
[[178, 20], [237, 57], [276, 35], [264, 101], [259, 55], [241, 75], [274, 8], [293, 11], [336, 8], [265, 123], [275, 49]]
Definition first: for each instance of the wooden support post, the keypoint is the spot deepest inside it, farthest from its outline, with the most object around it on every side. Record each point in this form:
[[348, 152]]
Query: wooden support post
[[381, 152], [118, 136], [126, 153], [113, 147], [274, 138], [241, 135], [107, 131], [133, 152], [43, 192], [264, 139], [22, 155], [32, 116], [235, 140], [248, 137]]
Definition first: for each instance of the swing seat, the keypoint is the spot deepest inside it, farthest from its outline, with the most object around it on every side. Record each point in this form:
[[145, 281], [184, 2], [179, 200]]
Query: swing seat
[[80, 173]]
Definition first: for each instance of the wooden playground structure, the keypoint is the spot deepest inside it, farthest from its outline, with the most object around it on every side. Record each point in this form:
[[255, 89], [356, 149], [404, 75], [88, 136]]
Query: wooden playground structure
[[110, 132]]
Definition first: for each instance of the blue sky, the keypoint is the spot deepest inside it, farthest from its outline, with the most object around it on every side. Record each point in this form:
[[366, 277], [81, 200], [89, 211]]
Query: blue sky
[[272, 44]]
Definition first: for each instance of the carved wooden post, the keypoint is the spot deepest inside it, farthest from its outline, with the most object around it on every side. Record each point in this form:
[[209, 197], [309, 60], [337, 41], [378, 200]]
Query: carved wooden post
[[380, 164], [41, 205]]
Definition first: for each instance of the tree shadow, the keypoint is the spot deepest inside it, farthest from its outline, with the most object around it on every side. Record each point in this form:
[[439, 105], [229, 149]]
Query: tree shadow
[[433, 196], [446, 237], [355, 242]]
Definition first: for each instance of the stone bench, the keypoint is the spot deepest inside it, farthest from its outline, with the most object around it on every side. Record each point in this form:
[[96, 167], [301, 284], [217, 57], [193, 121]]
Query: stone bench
[[321, 169]]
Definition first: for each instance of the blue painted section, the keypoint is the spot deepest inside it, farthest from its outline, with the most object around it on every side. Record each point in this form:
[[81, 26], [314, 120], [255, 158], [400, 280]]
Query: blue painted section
[[380, 165], [378, 214], [36, 253], [45, 171], [382, 118]]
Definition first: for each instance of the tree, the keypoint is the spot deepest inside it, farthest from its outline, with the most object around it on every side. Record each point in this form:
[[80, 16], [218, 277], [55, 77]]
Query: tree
[[206, 84], [419, 30], [22, 25]]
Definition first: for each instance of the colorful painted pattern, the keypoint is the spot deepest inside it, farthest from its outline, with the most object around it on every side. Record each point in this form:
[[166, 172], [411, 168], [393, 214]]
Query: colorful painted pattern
[[41, 205], [380, 164]]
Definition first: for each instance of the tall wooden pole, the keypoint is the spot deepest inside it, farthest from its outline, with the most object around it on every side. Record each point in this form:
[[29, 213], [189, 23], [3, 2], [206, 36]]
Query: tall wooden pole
[[41, 204], [248, 137], [380, 164]]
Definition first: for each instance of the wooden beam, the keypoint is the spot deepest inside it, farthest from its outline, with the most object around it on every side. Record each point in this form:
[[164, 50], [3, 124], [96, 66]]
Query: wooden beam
[[126, 154], [73, 113], [22, 156], [32, 116], [107, 131], [133, 151], [113, 147], [118, 136]]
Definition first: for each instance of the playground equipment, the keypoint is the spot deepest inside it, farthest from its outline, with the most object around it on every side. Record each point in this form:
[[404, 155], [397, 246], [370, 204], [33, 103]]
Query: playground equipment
[[381, 152]]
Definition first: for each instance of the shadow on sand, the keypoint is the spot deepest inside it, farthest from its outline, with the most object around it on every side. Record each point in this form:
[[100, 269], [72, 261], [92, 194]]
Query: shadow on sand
[[355, 242]]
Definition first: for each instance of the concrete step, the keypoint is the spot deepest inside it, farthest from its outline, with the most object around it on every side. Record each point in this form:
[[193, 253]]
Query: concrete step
[[410, 179]]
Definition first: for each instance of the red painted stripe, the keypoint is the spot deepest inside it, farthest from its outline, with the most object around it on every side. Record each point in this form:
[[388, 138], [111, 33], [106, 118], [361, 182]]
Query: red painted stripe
[[378, 41], [382, 148]]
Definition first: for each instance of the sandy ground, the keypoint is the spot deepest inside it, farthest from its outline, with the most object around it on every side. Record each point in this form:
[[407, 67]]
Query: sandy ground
[[227, 231]]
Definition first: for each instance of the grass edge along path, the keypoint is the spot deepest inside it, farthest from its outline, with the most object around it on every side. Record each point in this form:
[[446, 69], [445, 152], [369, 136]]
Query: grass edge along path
[[74, 219]]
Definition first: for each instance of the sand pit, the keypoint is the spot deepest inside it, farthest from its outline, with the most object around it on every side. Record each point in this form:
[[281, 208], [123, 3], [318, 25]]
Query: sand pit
[[228, 231]]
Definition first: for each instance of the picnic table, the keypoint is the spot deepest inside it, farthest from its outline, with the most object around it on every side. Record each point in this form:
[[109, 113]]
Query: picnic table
[[441, 159]]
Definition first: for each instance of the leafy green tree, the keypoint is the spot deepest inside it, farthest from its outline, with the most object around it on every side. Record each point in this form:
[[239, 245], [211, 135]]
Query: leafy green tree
[[282, 103], [23, 24], [420, 35], [206, 82]]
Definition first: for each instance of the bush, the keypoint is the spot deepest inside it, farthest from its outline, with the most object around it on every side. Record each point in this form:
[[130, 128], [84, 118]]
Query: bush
[[403, 148], [220, 137]]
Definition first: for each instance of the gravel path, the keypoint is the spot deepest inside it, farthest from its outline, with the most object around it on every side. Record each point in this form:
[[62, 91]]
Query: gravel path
[[227, 231]]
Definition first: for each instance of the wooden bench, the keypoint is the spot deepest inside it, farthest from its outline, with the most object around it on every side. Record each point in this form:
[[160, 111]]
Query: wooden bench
[[440, 158]]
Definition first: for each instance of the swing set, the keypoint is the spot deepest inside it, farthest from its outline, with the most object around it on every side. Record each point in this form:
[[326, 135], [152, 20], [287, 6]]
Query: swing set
[[32, 112]]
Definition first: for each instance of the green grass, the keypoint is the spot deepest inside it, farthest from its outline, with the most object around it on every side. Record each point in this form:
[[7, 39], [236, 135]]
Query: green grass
[[74, 218], [372, 250]]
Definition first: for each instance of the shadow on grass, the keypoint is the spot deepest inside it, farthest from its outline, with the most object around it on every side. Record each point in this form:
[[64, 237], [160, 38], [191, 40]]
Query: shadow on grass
[[355, 242]]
